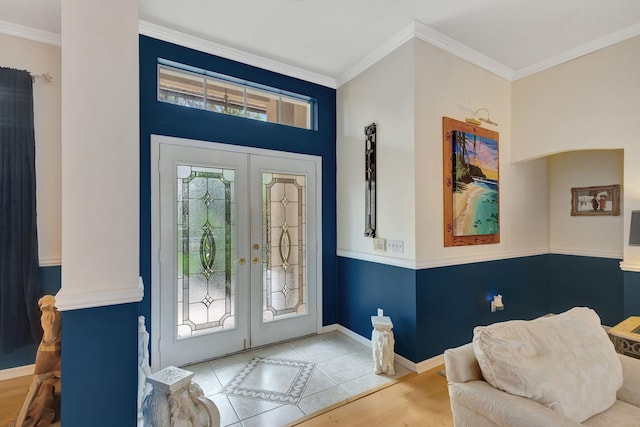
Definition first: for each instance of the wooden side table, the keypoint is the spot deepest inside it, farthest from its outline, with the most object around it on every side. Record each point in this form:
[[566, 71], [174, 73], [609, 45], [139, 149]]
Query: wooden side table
[[626, 337]]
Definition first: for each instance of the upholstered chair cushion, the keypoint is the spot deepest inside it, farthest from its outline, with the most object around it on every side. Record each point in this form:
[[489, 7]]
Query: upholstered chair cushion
[[565, 362]]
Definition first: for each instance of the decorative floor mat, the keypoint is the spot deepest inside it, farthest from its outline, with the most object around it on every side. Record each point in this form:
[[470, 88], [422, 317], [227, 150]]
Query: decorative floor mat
[[273, 380]]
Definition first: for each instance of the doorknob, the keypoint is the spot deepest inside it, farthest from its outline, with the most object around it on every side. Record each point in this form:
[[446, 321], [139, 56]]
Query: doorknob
[[256, 260], [242, 261], [256, 246]]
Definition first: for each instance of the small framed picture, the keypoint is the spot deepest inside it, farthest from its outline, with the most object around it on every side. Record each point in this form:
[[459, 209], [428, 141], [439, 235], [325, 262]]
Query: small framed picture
[[595, 201]]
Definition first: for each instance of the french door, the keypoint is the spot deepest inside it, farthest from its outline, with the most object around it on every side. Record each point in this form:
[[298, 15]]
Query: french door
[[236, 238]]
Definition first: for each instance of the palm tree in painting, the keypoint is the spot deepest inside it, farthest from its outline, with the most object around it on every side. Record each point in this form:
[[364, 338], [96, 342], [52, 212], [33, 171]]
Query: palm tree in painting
[[463, 169]]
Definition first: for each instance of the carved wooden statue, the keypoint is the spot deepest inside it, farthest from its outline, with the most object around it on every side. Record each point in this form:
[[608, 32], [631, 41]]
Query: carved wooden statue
[[48, 356], [41, 407]]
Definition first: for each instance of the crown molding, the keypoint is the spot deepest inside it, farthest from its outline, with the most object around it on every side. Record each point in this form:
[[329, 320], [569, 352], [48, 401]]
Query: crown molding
[[29, 33], [416, 29], [385, 49], [197, 43], [454, 47], [585, 49], [427, 34]]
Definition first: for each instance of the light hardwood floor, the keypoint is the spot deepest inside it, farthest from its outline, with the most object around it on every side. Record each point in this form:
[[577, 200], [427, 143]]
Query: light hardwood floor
[[417, 400], [12, 394]]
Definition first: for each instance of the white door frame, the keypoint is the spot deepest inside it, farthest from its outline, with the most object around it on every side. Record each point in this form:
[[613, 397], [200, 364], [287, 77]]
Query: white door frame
[[156, 141]]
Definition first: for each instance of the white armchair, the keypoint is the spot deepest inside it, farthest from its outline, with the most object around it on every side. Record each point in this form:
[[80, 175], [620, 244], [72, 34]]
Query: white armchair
[[476, 403]]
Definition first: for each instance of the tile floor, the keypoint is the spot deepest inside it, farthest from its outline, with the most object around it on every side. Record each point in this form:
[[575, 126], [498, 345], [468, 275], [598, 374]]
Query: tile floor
[[277, 385]]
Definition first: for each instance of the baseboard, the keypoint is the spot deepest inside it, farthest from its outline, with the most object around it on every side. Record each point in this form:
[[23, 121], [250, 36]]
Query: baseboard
[[430, 363], [16, 372], [353, 335], [330, 328], [419, 367]]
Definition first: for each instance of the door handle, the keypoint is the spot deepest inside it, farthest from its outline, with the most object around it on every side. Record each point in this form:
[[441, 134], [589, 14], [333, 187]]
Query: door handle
[[242, 261], [256, 246], [256, 260]]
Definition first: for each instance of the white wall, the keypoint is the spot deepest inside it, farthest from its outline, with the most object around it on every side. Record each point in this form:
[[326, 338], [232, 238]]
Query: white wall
[[40, 58], [382, 94], [588, 103], [100, 153], [407, 93], [449, 86], [599, 236]]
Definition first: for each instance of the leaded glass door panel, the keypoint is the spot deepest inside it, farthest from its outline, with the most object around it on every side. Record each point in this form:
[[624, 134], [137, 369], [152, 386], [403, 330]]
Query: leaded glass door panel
[[203, 279], [283, 235], [206, 243], [283, 243]]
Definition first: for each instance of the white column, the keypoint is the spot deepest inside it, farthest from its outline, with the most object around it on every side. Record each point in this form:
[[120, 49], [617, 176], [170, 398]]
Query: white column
[[100, 154], [630, 198]]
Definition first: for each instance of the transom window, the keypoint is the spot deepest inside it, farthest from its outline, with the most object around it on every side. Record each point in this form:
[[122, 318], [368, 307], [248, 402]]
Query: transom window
[[191, 87]]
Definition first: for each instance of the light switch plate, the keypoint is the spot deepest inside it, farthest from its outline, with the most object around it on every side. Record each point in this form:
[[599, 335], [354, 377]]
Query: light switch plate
[[379, 244]]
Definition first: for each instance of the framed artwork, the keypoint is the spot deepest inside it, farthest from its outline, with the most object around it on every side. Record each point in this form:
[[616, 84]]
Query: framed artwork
[[595, 201], [471, 184]]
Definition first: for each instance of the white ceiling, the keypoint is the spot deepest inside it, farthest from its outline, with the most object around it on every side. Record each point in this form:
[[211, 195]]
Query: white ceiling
[[331, 37]]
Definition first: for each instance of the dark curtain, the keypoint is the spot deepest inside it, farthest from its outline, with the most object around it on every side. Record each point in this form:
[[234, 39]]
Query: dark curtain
[[19, 274]]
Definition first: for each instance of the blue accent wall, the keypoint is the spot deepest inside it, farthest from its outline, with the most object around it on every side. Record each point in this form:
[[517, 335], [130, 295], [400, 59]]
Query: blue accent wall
[[100, 366], [365, 287], [587, 281], [452, 300], [172, 120], [50, 279], [437, 308]]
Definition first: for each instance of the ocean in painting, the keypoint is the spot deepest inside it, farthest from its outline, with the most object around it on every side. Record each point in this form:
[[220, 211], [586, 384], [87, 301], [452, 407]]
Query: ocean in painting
[[476, 208]]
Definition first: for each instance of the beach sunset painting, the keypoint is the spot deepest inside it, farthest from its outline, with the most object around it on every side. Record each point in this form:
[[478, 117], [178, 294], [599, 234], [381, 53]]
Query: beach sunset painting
[[475, 185]]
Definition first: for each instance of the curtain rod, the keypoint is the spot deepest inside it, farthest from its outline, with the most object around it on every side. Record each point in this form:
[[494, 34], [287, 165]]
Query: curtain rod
[[44, 76]]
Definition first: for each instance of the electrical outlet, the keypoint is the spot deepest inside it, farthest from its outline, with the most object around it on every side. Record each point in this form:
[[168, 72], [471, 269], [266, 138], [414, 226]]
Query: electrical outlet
[[396, 246], [379, 244], [496, 303]]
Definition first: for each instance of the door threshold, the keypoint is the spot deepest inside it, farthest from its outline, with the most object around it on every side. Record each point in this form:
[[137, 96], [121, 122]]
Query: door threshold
[[253, 349]]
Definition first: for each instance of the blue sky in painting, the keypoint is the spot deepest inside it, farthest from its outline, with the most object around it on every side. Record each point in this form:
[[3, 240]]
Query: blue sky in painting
[[486, 153]]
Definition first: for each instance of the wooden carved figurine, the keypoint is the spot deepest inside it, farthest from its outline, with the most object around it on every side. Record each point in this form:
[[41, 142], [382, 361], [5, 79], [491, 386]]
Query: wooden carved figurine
[[41, 407], [48, 356]]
